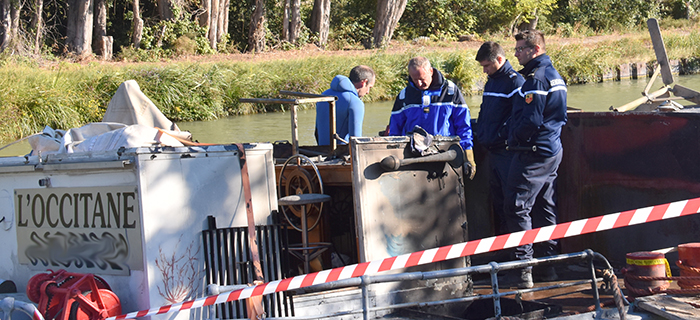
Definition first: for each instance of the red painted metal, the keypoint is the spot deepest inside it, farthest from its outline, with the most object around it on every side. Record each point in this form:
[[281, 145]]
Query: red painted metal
[[689, 264], [645, 264], [72, 296], [689, 253]]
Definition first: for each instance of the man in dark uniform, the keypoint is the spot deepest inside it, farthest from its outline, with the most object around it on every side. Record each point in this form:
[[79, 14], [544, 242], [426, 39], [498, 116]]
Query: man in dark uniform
[[436, 105], [539, 112], [492, 125]]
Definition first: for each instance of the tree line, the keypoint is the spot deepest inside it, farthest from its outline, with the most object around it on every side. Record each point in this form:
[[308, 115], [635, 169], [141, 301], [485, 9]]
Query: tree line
[[160, 28]]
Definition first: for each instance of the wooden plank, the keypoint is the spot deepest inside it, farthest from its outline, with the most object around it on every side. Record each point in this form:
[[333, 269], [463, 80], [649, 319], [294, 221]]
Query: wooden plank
[[668, 307]]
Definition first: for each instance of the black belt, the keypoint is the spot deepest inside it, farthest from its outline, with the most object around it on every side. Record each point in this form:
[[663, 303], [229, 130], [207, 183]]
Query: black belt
[[533, 148]]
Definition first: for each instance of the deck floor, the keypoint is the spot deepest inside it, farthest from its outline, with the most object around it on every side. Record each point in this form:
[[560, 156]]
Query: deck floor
[[573, 300]]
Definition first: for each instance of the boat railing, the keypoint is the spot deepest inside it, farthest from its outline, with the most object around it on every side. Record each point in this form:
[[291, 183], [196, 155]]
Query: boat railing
[[9, 304], [492, 268]]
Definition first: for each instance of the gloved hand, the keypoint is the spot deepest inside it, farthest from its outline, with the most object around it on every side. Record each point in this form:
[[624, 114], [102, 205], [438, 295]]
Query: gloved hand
[[470, 163]]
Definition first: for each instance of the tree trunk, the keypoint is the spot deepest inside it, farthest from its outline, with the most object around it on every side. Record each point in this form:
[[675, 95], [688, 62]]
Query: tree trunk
[[15, 9], [138, 25], [99, 31], [388, 14], [165, 9], [37, 25], [227, 16], [320, 20], [285, 21], [79, 29], [5, 24], [222, 29], [213, 23], [294, 20], [205, 17], [256, 35]]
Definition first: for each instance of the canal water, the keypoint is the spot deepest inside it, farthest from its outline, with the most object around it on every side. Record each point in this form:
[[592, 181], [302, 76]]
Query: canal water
[[271, 127]]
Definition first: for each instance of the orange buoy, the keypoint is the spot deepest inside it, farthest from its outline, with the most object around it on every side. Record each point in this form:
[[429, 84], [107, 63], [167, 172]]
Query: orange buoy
[[689, 264], [642, 265]]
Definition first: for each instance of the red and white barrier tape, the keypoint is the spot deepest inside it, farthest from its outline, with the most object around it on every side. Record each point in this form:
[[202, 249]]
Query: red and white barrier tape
[[562, 230], [37, 315]]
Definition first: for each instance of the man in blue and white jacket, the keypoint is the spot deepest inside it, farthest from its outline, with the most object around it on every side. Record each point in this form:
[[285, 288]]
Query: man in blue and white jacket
[[492, 125], [539, 113], [349, 109], [435, 104]]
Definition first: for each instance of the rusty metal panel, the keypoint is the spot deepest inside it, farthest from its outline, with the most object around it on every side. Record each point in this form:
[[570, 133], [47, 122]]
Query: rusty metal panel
[[614, 162], [417, 207], [622, 161]]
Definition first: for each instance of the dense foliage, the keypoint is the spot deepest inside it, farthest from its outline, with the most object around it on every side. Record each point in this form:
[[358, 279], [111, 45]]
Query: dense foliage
[[66, 95], [352, 21]]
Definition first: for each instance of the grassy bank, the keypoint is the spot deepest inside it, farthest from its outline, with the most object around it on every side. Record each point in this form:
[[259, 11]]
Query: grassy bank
[[65, 95]]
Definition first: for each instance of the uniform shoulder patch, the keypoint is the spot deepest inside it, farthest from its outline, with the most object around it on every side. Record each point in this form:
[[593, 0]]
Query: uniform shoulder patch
[[529, 97]]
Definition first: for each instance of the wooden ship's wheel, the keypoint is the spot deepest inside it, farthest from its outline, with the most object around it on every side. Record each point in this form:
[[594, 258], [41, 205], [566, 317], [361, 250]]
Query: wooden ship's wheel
[[293, 179]]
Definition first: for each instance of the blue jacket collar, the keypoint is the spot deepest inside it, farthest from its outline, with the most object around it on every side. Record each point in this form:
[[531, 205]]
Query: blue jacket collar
[[504, 71], [541, 60]]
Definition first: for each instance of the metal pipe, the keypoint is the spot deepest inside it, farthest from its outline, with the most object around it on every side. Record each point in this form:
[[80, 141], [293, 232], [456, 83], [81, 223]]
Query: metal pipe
[[9, 304], [441, 302], [494, 288], [365, 297], [453, 156], [493, 268], [418, 275], [641, 100], [478, 297], [295, 129], [332, 126], [594, 287]]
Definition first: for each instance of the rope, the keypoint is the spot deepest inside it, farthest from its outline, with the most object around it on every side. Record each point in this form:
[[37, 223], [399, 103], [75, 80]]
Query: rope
[[687, 288], [617, 293], [650, 278], [691, 280]]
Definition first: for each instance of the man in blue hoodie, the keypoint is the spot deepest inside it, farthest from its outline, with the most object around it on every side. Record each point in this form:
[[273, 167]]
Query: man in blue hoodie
[[349, 109], [492, 125], [539, 113], [436, 105]]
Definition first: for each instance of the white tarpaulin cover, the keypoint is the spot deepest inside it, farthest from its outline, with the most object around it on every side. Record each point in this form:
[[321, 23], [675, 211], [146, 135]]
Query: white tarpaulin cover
[[131, 120]]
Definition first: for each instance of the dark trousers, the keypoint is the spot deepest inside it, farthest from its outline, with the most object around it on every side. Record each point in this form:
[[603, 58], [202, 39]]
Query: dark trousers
[[499, 161], [531, 199]]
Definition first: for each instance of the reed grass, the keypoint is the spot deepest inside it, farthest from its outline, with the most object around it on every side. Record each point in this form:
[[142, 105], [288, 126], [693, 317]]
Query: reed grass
[[65, 95]]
